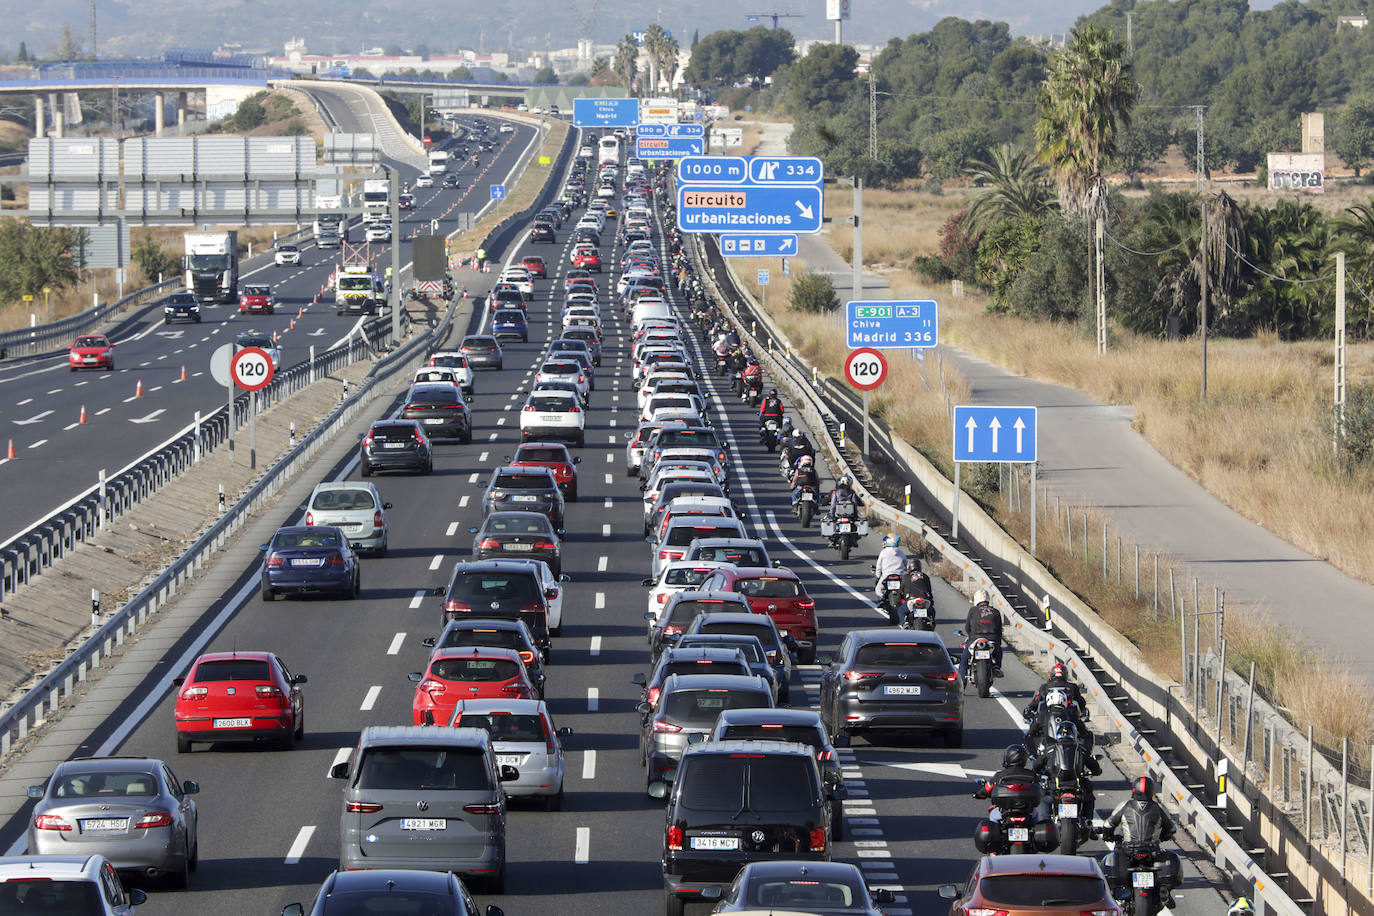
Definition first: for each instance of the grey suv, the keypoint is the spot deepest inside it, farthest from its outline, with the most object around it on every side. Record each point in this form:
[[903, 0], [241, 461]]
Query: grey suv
[[420, 797], [524, 490], [689, 705]]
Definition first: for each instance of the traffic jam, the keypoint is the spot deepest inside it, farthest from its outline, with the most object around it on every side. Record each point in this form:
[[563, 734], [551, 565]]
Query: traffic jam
[[632, 622]]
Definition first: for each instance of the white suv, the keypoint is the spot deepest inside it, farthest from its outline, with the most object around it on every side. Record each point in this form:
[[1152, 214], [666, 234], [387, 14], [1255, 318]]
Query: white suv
[[287, 254], [550, 414], [65, 884], [356, 508], [452, 359], [564, 370]]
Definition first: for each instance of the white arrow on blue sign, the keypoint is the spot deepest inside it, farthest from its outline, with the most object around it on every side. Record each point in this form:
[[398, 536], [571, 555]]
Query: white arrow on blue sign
[[752, 208], [995, 434], [498, 191], [743, 245]]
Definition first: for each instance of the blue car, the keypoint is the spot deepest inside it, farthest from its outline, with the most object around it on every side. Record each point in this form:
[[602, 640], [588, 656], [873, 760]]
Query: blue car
[[510, 323], [305, 559]]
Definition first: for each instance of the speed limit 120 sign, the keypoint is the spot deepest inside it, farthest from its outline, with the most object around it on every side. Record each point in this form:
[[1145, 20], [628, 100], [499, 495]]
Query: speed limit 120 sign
[[251, 368], [865, 368]]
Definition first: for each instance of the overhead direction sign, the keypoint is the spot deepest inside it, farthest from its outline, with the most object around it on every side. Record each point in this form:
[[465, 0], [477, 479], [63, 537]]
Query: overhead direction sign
[[671, 130], [752, 170], [605, 112], [785, 170], [744, 245], [995, 434], [667, 147], [895, 324], [865, 368], [753, 208]]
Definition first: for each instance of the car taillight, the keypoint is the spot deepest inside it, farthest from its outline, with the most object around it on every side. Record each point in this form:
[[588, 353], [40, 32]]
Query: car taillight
[[274, 559], [531, 608], [267, 691], [672, 631], [983, 911], [804, 604], [818, 839], [377, 519], [489, 544], [666, 727], [529, 407], [362, 807], [1112, 912], [431, 686], [675, 838], [456, 606], [51, 822], [861, 675], [824, 755], [545, 545], [670, 554], [310, 518], [195, 693], [527, 656], [482, 809], [336, 558], [367, 443], [154, 819], [952, 676]]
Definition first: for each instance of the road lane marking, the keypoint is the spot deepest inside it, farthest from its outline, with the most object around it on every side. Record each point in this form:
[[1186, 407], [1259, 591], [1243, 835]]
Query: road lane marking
[[601, 564], [600, 600], [605, 531], [482, 457], [452, 527], [436, 562], [582, 849], [473, 478], [293, 855], [25, 401], [370, 700], [610, 457], [595, 648], [593, 699], [500, 421], [38, 443], [462, 504], [70, 426], [395, 647], [610, 478], [340, 756], [415, 602], [101, 413], [609, 502], [589, 764], [492, 437]]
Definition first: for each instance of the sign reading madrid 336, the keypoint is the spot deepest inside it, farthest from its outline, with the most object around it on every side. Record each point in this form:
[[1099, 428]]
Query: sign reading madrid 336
[[897, 324], [995, 433], [759, 194]]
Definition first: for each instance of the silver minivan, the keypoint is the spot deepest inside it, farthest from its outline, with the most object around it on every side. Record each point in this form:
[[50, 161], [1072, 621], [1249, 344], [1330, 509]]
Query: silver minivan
[[354, 507], [523, 736], [422, 797]]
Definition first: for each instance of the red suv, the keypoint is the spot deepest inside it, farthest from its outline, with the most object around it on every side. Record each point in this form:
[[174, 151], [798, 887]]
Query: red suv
[[588, 258], [238, 696], [536, 266], [552, 455], [469, 673], [777, 592]]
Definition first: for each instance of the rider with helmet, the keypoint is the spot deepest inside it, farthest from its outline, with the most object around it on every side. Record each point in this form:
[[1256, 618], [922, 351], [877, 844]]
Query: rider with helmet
[[915, 583], [1014, 769], [891, 561], [1059, 677], [844, 502], [1141, 821], [804, 475], [796, 448], [983, 621], [771, 408], [1067, 760]]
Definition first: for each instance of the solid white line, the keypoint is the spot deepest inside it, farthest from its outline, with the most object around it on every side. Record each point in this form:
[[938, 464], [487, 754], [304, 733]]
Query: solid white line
[[293, 855], [582, 849], [589, 764], [38, 443], [595, 648], [601, 564], [462, 503], [339, 757], [600, 600], [436, 562], [452, 528], [370, 700], [593, 699], [395, 647], [415, 602]]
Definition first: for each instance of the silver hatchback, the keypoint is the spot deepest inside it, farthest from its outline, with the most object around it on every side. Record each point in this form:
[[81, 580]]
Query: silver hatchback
[[131, 810], [355, 508], [523, 736]]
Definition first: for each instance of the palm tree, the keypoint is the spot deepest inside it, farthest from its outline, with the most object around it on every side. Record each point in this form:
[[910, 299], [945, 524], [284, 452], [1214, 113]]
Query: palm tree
[[654, 37], [1014, 186], [1354, 234], [668, 60], [627, 60], [1170, 227], [1085, 99], [599, 66], [1286, 247]]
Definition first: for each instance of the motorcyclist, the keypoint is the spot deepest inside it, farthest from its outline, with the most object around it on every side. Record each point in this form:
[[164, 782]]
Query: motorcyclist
[[891, 561], [844, 502], [1141, 821], [984, 621], [1014, 769], [915, 583], [1242, 907], [752, 373], [771, 408], [797, 448], [804, 475], [1066, 760], [1059, 677]]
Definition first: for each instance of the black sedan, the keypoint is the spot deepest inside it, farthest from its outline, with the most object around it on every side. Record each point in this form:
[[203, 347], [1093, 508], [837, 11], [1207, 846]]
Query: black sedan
[[392, 445], [439, 408], [482, 352], [345, 893], [305, 560], [519, 535]]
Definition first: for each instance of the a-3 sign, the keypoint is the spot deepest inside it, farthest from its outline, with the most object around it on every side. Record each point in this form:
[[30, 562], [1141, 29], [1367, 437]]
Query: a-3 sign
[[895, 324], [995, 434]]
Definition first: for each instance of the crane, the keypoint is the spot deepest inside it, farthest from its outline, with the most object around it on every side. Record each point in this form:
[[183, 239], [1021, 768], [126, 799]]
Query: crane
[[775, 15]]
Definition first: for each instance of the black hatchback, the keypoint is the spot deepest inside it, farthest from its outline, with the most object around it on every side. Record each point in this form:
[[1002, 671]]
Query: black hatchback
[[524, 490], [483, 352], [440, 409], [395, 445], [736, 802]]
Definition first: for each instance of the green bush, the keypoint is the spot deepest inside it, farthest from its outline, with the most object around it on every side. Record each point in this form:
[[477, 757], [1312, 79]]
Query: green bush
[[294, 129], [153, 259], [1357, 437], [251, 114], [813, 292]]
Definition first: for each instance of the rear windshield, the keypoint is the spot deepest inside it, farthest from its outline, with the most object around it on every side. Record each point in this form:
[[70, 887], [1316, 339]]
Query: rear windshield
[[672, 491], [682, 535], [233, 669], [509, 315], [523, 523], [509, 481], [505, 726], [550, 402], [769, 588], [424, 768], [480, 342], [684, 611], [902, 655], [433, 398], [393, 433], [701, 707], [740, 628], [799, 734], [688, 437], [495, 637], [344, 499], [450, 362], [739, 556], [805, 895], [580, 334], [396, 902], [753, 652], [720, 782], [477, 587], [474, 669], [1042, 890], [686, 575], [106, 785], [560, 369], [556, 455], [51, 898], [435, 374], [705, 666], [317, 537]]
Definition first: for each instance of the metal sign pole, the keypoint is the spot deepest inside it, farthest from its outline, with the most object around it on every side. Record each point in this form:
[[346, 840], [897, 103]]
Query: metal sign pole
[[253, 433], [230, 424], [866, 421], [1032, 512], [954, 526]]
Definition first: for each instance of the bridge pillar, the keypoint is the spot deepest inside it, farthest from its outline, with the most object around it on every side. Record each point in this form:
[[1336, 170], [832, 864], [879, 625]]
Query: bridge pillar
[[159, 104], [58, 121], [181, 110], [40, 117]]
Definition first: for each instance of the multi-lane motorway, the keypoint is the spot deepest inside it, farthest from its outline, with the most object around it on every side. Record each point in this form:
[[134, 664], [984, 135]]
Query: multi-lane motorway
[[42, 400], [269, 819]]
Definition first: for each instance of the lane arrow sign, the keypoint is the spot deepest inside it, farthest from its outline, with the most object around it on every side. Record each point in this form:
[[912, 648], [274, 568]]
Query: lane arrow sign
[[805, 209], [995, 425], [1020, 427], [786, 245], [971, 425], [33, 419], [316, 333]]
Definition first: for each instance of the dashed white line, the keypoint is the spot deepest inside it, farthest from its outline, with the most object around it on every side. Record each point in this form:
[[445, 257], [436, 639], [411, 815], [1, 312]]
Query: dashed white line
[[473, 478], [500, 421], [593, 699], [55, 391], [600, 602], [436, 562], [492, 437], [395, 647], [601, 564], [370, 700], [589, 764], [101, 413], [610, 478], [452, 527], [38, 443], [610, 503], [610, 457], [463, 502], [582, 849], [70, 426], [293, 855], [415, 602], [25, 401], [595, 648], [483, 457]]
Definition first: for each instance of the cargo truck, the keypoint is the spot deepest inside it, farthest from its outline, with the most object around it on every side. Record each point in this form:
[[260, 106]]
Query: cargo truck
[[376, 199], [211, 265], [331, 225]]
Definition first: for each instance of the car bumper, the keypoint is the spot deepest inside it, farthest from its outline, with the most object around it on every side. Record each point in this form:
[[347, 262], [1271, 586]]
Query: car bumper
[[510, 333], [484, 362], [553, 559], [309, 584], [446, 430], [551, 432], [688, 874], [202, 728], [101, 363], [366, 539], [882, 715], [488, 863], [155, 848], [388, 460], [181, 316], [533, 783]]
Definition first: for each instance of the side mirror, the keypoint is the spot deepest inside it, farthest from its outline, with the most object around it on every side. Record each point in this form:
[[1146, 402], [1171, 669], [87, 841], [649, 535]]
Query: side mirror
[[565, 732], [947, 891], [300, 679], [472, 530], [643, 708], [263, 547], [429, 642], [440, 590], [509, 773], [415, 677], [658, 790], [386, 505], [138, 896], [35, 792], [839, 793], [293, 909], [789, 640], [714, 892], [841, 740], [564, 577], [559, 531], [629, 435], [637, 679], [883, 897], [577, 459], [178, 681], [494, 910], [550, 593], [650, 615], [190, 787]]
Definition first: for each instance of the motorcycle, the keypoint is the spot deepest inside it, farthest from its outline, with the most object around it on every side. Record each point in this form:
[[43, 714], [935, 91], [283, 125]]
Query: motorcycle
[[892, 596], [754, 395], [1142, 875], [980, 670], [918, 614], [737, 384], [1012, 827], [805, 507], [722, 361], [768, 434], [1067, 802], [843, 533]]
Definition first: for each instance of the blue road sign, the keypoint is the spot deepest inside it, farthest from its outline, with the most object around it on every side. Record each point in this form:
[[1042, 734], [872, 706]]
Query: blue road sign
[[752, 208], [892, 324], [667, 147], [713, 170], [786, 170], [498, 192], [742, 245], [605, 112], [995, 434], [671, 130], [763, 276]]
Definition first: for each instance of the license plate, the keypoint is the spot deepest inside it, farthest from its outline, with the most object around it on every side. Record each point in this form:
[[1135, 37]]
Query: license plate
[[519, 547], [1069, 810], [902, 691], [846, 527], [921, 611], [512, 760], [982, 654], [88, 359], [434, 421], [893, 586], [233, 723], [715, 842], [308, 561], [1019, 834], [549, 417], [424, 823], [808, 496], [1143, 879], [393, 445], [104, 823], [523, 498]]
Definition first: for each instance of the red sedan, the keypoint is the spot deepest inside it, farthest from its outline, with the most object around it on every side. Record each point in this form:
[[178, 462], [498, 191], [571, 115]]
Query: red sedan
[[93, 351], [536, 266], [552, 455], [239, 696], [257, 298], [468, 673], [587, 258], [777, 592]]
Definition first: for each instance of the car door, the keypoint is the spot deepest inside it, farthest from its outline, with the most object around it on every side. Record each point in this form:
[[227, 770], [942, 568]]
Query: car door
[[293, 691], [186, 809], [829, 673]]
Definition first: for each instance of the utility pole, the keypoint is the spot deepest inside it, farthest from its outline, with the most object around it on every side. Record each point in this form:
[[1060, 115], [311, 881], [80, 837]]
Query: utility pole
[[394, 293], [872, 114], [1100, 300], [1339, 396], [1130, 34], [93, 54], [1202, 244]]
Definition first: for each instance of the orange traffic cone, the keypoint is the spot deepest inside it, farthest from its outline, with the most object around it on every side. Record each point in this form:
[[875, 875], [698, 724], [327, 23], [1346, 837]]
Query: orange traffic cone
[[300, 312], [11, 452], [138, 392], [183, 373], [83, 414]]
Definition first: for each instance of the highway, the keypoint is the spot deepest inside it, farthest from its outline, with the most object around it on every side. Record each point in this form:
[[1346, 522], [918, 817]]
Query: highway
[[269, 819], [42, 400]]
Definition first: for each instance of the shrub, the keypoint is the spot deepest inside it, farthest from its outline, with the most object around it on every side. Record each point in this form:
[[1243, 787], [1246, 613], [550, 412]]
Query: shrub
[[153, 259], [813, 292], [294, 129], [932, 268], [1357, 435]]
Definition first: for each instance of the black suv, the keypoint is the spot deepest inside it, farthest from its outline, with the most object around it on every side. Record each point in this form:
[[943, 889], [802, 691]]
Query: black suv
[[395, 445], [180, 307], [439, 408], [736, 802], [502, 589], [524, 490]]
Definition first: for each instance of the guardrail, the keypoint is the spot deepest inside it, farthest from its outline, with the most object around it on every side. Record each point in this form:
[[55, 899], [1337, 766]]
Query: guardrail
[[1244, 873], [17, 720]]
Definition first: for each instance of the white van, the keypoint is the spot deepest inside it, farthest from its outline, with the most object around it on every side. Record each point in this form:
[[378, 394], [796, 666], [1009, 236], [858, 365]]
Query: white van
[[650, 309]]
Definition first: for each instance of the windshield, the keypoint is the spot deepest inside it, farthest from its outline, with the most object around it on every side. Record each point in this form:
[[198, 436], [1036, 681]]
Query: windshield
[[423, 768], [256, 290], [505, 726], [475, 588], [208, 261], [51, 898], [700, 708], [324, 219], [92, 342], [682, 535], [355, 283], [772, 783]]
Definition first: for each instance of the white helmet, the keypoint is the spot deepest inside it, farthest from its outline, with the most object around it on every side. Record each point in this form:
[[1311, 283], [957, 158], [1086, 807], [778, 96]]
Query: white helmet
[[806, 461], [980, 597]]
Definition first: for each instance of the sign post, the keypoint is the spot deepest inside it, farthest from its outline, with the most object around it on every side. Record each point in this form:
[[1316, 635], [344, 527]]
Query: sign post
[[1005, 434], [865, 369], [252, 370], [763, 286]]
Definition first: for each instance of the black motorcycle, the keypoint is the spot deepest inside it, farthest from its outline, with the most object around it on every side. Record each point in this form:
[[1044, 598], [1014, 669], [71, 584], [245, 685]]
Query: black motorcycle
[[917, 614], [768, 433], [1142, 876], [805, 507], [1013, 826]]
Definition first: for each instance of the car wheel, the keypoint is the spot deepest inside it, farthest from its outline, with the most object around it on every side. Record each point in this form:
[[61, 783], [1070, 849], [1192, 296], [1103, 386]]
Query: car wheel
[[807, 656], [580, 441], [954, 737], [364, 469], [673, 905], [357, 586], [554, 802], [73, 368], [428, 468], [837, 820], [497, 883], [572, 495], [183, 745], [300, 728], [467, 437], [269, 594], [194, 862], [180, 878]]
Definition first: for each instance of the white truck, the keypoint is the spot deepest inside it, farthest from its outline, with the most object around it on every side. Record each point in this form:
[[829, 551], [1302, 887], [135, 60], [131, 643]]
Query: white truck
[[438, 162], [376, 199], [331, 225], [211, 265]]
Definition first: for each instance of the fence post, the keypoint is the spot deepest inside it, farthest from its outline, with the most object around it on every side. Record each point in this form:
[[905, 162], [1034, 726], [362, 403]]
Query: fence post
[[1249, 715], [1154, 608], [1137, 572], [1104, 551]]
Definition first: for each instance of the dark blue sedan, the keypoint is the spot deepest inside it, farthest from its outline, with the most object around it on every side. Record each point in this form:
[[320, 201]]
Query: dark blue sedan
[[510, 323], [309, 560]]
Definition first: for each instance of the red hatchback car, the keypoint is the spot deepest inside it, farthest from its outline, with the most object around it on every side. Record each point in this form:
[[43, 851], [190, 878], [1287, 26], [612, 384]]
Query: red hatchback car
[[777, 592], [552, 455], [587, 258], [257, 298], [468, 673], [239, 696], [92, 351], [536, 266]]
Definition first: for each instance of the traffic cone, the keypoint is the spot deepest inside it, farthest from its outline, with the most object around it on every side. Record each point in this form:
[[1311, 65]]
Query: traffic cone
[[183, 373], [11, 452], [83, 414], [293, 324], [138, 392], [301, 311]]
